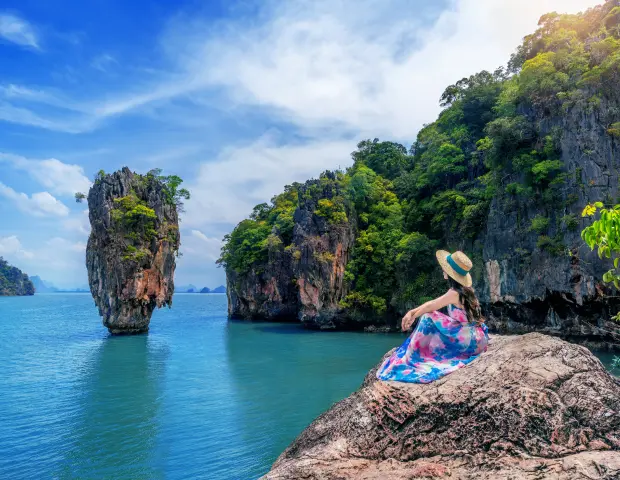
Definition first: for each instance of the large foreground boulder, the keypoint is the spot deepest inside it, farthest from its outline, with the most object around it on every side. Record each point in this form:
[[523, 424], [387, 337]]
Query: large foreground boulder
[[531, 407]]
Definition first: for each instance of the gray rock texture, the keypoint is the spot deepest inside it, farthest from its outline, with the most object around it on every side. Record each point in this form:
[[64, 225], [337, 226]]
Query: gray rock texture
[[523, 287], [528, 289], [531, 407], [306, 282], [131, 258]]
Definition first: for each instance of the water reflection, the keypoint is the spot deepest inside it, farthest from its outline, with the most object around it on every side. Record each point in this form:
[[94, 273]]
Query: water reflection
[[116, 424]]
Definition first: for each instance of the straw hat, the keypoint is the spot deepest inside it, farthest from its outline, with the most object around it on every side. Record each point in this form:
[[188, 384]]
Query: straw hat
[[457, 265]]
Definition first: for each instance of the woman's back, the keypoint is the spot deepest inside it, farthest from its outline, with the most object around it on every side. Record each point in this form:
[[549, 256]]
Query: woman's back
[[440, 343]]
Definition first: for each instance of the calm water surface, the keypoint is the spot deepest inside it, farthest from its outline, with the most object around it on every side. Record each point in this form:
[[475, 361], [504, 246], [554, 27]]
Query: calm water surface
[[198, 397]]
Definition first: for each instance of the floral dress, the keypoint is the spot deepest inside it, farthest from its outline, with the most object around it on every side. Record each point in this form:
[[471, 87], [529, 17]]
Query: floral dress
[[439, 345]]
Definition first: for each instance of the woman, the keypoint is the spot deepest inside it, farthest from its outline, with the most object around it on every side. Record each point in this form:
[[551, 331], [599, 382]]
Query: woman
[[441, 343]]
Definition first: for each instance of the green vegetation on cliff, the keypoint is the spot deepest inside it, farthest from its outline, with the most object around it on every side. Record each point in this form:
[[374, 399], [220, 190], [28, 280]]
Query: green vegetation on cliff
[[494, 140], [13, 281], [132, 217]]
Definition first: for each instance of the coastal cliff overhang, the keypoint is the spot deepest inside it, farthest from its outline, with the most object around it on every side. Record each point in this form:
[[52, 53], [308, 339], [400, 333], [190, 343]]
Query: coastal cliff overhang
[[533, 406]]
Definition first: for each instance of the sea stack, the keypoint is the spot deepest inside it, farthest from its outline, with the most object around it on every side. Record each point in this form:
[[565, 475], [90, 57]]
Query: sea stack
[[132, 247]]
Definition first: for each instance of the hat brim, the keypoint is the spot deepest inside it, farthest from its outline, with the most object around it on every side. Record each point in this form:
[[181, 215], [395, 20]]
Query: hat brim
[[442, 256]]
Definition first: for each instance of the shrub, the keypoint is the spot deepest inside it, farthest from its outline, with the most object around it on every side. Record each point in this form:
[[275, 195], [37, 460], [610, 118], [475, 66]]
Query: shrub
[[132, 216], [570, 222], [539, 224], [543, 171], [324, 257], [614, 130], [332, 210], [364, 301], [554, 246]]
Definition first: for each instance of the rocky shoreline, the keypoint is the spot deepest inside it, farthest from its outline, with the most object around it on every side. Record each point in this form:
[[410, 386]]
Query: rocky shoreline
[[531, 407]]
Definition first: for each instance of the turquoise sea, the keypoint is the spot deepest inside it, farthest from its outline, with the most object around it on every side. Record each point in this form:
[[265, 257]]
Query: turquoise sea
[[198, 397]]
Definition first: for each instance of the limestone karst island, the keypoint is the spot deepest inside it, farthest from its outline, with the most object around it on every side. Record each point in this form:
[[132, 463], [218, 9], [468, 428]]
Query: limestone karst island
[[310, 240]]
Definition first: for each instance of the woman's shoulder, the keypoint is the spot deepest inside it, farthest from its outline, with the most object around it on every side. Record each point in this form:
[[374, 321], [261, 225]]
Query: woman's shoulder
[[454, 298], [452, 294]]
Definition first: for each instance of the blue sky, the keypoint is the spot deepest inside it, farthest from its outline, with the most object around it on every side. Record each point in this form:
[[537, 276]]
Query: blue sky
[[237, 97]]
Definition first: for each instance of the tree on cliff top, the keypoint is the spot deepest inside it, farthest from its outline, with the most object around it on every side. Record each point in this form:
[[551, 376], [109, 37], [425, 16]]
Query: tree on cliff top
[[171, 183]]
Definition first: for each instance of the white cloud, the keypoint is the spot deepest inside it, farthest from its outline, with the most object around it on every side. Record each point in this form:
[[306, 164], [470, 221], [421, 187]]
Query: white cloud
[[20, 104], [12, 247], [372, 67], [58, 259], [197, 244], [63, 245], [41, 204], [58, 123], [315, 63], [18, 31], [60, 178], [226, 189], [197, 263], [78, 223], [103, 62], [50, 97]]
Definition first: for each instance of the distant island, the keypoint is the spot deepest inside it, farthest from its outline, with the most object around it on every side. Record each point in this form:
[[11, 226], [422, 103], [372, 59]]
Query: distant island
[[43, 286], [14, 282], [193, 289]]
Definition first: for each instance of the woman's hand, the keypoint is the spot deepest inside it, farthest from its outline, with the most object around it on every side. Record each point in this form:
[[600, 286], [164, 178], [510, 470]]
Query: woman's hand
[[409, 318]]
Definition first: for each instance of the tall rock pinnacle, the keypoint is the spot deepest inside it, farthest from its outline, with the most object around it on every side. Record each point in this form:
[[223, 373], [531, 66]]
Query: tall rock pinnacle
[[132, 247]]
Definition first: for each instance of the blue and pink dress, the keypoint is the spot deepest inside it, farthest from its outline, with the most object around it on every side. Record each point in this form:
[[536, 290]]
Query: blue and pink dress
[[439, 345]]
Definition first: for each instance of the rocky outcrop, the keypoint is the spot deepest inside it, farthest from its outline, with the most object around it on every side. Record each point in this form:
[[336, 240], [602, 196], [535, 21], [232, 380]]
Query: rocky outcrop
[[304, 281], [526, 288], [13, 282], [132, 248], [503, 174], [531, 407]]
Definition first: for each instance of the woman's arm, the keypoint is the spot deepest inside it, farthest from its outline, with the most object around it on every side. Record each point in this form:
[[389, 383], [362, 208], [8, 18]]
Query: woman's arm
[[451, 296]]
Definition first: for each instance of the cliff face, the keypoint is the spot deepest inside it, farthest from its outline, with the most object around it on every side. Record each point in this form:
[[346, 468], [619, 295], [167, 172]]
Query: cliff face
[[305, 280], [13, 281], [528, 288], [531, 407], [502, 174], [523, 287], [131, 250]]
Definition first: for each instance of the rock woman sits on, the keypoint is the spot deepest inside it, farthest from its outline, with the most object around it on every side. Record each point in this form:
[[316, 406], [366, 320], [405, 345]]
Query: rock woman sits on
[[440, 343]]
